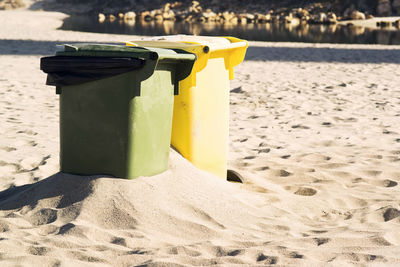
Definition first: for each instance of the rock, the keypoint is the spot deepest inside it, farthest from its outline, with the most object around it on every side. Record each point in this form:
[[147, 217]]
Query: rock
[[155, 12], [242, 18], [167, 7], [169, 15], [129, 15], [268, 17], [332, 18], [305, 19], [30, 163], [6, 6], [250, 18], [181, 15], [158, 17], [101, 17], [301, 13], [195, 7], [201, 19], [209, 15], [111, 18], [384, 8], [321, 18], [11, 4], [228, 16], [261, 18], [276, 17], [234, 20], [188, 18], [288, 18], [145, 15], [357, 15], [369, 16]]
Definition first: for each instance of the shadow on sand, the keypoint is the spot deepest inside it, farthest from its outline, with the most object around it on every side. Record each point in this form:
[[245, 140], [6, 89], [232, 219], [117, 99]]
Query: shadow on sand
[[69, 188], [255, 53], [30, 47], [329, 55]]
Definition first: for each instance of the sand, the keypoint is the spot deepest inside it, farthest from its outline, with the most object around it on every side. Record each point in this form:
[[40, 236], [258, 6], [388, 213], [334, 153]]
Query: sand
[[314, 132]]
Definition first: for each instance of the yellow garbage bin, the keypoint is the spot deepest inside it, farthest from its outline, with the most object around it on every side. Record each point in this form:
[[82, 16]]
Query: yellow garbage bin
[[200, 125]]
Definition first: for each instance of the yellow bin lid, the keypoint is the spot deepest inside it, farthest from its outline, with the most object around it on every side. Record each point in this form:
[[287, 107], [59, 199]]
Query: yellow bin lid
[[231, 49]]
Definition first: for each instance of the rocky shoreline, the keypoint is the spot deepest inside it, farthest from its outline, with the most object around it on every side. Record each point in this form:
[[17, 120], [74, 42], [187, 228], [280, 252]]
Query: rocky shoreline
[[316, 13], [232, 12]]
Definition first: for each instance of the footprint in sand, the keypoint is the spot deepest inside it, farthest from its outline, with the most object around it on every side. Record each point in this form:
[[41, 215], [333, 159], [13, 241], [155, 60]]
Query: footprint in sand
[[38, 250], [294, 255], [328, 124], [138, 252], [48, 229], [32, 143], [183, 251], [321, 241], [118, 241], [235, 252], [267, 259], [305, 191], [299, 126], [8, 148], [31, 163], [253, 117], [69, 228], [43, 216], [264, 150], [357, 180], [384, 183], [237, 90], [283, 173], [13, 120], [28, 132], [264, 168], [372, 173], [389, 183], [390, 214], [4, 227]]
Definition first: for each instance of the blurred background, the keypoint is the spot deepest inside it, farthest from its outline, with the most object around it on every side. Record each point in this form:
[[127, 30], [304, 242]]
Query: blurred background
[[335, 21]]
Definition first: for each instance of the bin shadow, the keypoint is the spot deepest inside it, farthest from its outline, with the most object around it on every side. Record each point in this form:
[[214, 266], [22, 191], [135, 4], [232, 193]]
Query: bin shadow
[[69, 188], [323, 54], [254, 53], [32, 47]]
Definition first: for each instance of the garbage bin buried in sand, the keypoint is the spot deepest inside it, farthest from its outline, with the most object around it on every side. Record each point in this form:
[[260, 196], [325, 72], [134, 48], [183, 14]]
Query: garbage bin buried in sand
[[200, 129], [116, 106]]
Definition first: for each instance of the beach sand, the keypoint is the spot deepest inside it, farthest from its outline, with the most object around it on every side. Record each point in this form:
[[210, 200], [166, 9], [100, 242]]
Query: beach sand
[[314, 130]]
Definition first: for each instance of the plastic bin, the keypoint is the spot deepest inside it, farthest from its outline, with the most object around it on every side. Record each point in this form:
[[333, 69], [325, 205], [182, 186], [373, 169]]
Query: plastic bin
[[116, 106], [200, 130]]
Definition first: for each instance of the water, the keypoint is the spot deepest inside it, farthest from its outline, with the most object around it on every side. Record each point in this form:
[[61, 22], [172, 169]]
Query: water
[[256, 32]]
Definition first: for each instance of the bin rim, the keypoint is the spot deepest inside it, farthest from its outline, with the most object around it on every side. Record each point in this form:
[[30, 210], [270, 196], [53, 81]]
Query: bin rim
[[108, 50], [232, 52], [189, 42], [182, 60]]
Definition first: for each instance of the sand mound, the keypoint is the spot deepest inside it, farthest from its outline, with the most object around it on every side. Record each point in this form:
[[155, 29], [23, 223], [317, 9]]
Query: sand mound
[[183, 205]]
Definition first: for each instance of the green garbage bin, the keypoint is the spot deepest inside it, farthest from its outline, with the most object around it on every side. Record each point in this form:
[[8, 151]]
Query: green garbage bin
[[116, 106]]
